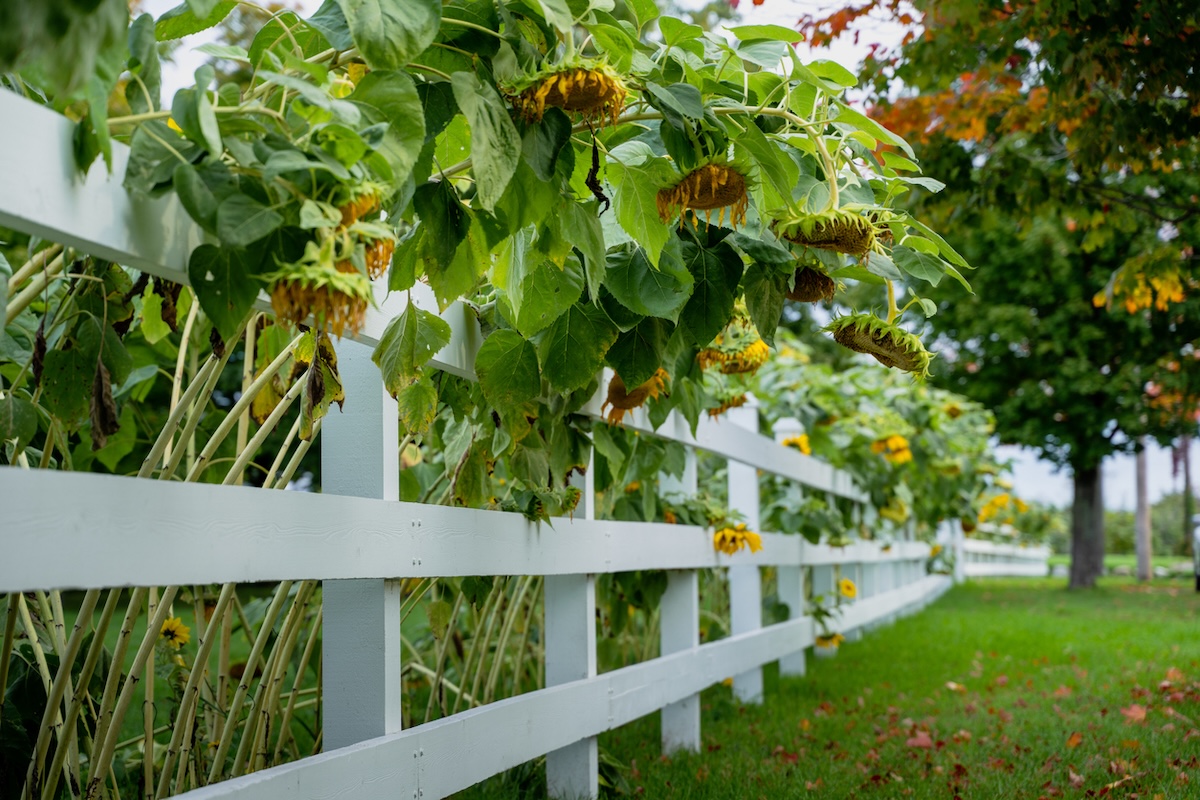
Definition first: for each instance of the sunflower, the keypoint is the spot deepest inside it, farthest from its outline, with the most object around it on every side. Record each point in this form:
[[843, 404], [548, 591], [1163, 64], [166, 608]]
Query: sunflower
[[847, 589], [836, 229], [175, 633], [800, 442], [624, 400], [729, 540], [891, 345], [329, 289], [737, 349], [894, 448], [829, 639], [708, 188], [811, 285], [586, 87], [727, 403]]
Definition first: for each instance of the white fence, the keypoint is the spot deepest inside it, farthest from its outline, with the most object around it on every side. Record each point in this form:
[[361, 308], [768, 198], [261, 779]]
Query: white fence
[[65, 530], [982, 559]]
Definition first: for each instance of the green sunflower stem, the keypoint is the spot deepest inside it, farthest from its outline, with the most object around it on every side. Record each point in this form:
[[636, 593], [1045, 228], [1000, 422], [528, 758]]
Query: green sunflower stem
[[893, 312]]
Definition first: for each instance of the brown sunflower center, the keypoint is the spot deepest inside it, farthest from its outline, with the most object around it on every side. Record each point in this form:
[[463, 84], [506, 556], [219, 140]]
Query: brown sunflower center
[[853, 236], [881, 345]]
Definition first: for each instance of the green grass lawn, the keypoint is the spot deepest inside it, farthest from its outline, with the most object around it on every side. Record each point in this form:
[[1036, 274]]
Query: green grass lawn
[[1002, 689], [1130, 561]]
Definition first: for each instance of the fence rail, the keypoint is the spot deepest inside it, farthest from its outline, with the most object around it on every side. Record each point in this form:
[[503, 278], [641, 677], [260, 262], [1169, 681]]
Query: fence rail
[[982, 559], [68, 530]]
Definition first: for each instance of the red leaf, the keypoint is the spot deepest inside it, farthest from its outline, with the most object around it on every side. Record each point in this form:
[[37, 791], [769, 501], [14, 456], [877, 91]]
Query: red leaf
[[920, 739], [1135, 713]]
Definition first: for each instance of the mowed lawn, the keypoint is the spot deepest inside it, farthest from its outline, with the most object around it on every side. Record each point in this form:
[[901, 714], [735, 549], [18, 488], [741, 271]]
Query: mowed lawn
[[1002, 689]]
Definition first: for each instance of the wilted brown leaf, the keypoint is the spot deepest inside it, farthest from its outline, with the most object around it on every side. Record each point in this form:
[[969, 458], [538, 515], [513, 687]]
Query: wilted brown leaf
[[1134, 714], [1074, 740]]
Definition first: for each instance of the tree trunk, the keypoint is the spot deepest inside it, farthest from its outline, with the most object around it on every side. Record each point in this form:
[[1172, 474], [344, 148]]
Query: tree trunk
[[1142, 517], [1188, 503], [1087, 528]]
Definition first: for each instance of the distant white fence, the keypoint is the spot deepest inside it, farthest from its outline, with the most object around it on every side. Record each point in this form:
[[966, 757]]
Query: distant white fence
[[982, 559], [71, 530]]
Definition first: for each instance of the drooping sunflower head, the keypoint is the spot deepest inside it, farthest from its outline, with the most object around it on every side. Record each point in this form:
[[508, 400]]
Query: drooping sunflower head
[[712, 187], [836, 229], [623, 400], [727, 402], [330, 290], [811, 285], [175, 633], [586, 87], [890, 344], [730, 539], [737, 349]]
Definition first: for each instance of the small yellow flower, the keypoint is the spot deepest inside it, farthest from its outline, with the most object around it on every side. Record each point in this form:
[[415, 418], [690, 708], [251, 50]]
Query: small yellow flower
[[952, 410], [175, 632], [829, 640], [847, 588], [729, 540], [633, 487], [894, 448], [799, 442], [935, 551]]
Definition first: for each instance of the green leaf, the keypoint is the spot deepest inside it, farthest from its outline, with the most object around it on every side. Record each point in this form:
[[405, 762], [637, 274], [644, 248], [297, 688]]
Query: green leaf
[[920, 265], [438, 613], [637, 175], [643, 289], [572, 350], [18, 420], [858, 274], [778, 33], [476, 589], [948, 252], [181, 21], [717, 271], [681, 98], [675, 31], [645, 11], [764, 291], [848, 115], [883, 266], [154, 327], [833, 71], [390, 33], [197, 199], [224, 286], [407, 344], [417, 403], [242, 220], [392, 97], [638, 353], [331, 22], [583, 223], [546, 292], [616, 45], [507, 367], [558, 14], [544, 141], [495, 145], [777, 173], [445, 218], [452, 281]]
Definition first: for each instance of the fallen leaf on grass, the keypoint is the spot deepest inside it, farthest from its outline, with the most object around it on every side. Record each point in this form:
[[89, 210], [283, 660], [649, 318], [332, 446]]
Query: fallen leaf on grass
[[1074, 777], [1134, 714], [956, 687], [920, 739], [1074, 740], [1130, 744], [1002, 680], [1062, 691], [1174, 675]]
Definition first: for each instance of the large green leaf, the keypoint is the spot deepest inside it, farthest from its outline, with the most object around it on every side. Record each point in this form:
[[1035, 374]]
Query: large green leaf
[[642, 288], [182, 20], [417, 402], [765, 292], [638, 352], [495, 145], [389, 33], [637, 175], [507, 367], [407, 344], [444, 218], [451, 281], [572, 350], [242, 220], [18, 420], [546, 292], [224, 285], [391, 96], [919, 265], [717, 271]]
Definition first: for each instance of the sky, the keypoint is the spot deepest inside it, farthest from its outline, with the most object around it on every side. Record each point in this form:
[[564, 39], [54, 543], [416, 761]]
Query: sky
[[1032, 479]]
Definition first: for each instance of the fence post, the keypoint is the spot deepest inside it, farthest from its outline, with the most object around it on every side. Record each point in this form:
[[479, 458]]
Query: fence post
[[679, 621], [573, 772], [360, 634], [958, 550], [790, 578], [745, 581]]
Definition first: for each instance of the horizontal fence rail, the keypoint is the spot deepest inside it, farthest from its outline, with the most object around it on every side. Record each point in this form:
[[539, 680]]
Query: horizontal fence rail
[[984, 559]]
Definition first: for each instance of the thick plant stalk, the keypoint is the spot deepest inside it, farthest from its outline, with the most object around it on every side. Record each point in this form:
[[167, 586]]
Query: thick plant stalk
[[497, 612], [39, 655], [10, 635], [163, 442], [191, 691], [248, 359], [217, 724], [33, 265], [31, 292], [148, 711], [85, 675], [145, 651], [247, 450], [280, 655], [239, 696], [239, 408], [480, 644], [440, 665], [197, 411], [505, 630], [51, 717], [185, 341], [525, 645], [470, 659], [297, 457], [285, 725], [107, 700], [269, 480]]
